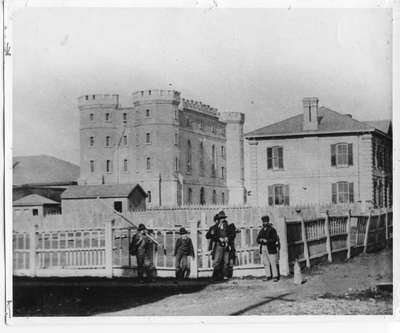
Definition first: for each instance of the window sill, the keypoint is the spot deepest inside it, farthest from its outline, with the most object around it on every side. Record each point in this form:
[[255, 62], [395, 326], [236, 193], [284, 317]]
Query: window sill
[[276, 170]]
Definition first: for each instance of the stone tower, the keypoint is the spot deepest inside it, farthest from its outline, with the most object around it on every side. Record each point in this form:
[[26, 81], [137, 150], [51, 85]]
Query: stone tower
[[98, 132], [156, 127], [235, 156]]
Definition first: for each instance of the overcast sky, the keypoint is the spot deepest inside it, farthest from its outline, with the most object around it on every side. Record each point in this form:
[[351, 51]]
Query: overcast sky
[[261, 62]]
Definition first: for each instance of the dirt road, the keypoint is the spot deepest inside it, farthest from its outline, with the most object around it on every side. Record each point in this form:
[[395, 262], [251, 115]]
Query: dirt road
[[339, 288]]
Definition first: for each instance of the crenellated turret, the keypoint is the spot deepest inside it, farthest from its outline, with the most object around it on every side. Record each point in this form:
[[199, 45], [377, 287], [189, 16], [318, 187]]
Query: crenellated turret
[[98, 101]]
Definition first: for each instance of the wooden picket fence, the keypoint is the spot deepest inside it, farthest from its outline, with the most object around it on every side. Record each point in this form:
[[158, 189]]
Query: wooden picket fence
[[310, 239], [105, 251]]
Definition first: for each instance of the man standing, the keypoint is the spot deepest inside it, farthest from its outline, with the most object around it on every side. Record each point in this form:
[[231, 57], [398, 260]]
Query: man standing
[[142, 247], [221, 258], [232, 231], [269, 247], [212, 236], [183, 249]]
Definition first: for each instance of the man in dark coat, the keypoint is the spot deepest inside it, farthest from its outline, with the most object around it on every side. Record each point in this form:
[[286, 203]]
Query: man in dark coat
[[183, 249], [221, 257], [212, 236], [269, 247], [142, 247], [232, 231]]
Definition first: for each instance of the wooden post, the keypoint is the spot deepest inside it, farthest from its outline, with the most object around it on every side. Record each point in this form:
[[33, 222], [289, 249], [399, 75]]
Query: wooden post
[[328, 237], [32, 249], [304, 236], [194, 226], [387, 227], [108, 253], [348, 230], [367, 232], [284, 251]]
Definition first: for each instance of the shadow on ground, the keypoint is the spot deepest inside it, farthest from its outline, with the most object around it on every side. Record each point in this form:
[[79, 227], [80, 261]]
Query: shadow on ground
[[91, 296]]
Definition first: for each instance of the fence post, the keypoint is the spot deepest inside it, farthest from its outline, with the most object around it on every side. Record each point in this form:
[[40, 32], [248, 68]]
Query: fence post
[[108, 255], [284, 253], [367, 232], [387, 226], [328, 237], [348, 240], [32, 249], [194, 227], [304, 236]]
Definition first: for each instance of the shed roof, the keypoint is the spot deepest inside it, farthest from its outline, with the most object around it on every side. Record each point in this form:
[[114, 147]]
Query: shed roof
[[34, 200], [329, 121], [43, 170], [101, 191]]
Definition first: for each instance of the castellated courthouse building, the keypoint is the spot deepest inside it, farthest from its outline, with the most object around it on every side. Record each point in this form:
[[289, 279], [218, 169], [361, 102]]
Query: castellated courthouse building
[[180, 151]]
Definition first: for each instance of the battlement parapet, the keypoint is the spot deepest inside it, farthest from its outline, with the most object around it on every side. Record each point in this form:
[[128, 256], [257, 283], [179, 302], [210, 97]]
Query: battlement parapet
[[199, 107], [98, 100], [157, 95], [232, 117]]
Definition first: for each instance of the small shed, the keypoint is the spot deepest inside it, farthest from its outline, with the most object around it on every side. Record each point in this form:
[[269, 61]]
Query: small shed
[[81, 200], [35, 205]]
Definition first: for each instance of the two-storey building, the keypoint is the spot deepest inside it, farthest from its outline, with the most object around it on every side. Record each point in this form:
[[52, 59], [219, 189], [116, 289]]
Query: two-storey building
[[320, 156]]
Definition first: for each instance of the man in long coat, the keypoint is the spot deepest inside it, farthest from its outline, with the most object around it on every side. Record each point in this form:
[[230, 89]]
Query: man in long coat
[[142, 247], [269, 246], [183, 250], [221, 256]]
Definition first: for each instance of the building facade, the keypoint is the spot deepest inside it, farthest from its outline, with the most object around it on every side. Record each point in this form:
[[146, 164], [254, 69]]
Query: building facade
[[321, 156], [176, 149]]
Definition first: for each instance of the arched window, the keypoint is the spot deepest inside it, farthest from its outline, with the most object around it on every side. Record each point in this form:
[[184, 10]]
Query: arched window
[[189, 157], [202, 196], [190, 200], [125, 165], [213, 160], [223, 198], [214, 197], [91, 141], [201, 158], [108, 141], [124, 117]]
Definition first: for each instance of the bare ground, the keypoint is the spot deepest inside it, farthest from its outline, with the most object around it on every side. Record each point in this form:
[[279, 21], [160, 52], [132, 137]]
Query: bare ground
[[339, 288]]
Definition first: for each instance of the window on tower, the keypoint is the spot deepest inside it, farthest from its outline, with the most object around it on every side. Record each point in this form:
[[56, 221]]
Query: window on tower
[[125, 165], [108, 166], [148, 163], [91, 165], [91, 117], [124, 117], [148, 138], [108, 116], [147, 113], [108, 141], [91, 141]]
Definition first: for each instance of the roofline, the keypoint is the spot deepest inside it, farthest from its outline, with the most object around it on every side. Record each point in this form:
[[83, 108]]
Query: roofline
[[316, 133], [105, 197], [37, 204], [73, 182]]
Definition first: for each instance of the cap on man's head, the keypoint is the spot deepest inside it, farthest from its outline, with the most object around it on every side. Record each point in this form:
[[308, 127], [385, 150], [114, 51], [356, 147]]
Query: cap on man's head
[[265, 219], [221, 215], [183, 231], [141, 227]]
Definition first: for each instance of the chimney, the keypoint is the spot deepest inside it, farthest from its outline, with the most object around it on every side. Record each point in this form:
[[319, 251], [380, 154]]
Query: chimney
[[310, 114]]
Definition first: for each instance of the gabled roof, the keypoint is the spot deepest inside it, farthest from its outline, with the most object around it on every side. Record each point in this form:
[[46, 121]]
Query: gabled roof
[[43, 170], [329, 121], [384, 126], [101, 191], [34, 200]]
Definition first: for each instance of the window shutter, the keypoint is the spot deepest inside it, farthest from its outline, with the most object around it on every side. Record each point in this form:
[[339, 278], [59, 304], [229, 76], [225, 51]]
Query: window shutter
[[333, 155], [280, 154], [286, 195], [271, 195], [350, 153], [351, 192], [269, 158], [334, 195]]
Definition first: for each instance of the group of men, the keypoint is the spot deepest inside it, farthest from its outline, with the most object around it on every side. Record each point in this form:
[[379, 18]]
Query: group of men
[[221, 236]]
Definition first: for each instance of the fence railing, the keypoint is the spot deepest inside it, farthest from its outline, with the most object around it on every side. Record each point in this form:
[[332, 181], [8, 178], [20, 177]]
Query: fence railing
[[105, 251], [309, 239]]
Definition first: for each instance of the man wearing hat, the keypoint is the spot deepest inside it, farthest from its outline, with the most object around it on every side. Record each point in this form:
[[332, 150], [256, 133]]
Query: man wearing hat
[[269, 246], [212, 236], [221, 257], [183, 249], [142, 247]]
